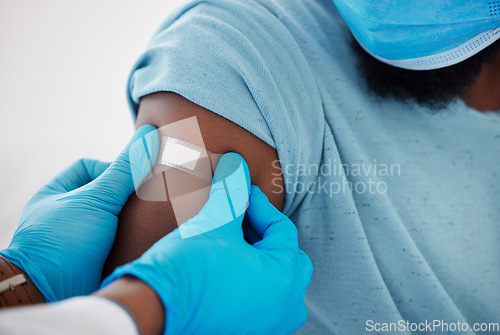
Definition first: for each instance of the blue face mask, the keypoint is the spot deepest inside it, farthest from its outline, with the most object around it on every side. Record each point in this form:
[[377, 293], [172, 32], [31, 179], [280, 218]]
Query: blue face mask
[[422, 34]]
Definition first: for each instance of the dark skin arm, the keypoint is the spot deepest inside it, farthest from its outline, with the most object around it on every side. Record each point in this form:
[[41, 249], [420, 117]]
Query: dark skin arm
[[138, 297], [142, 223], [141, 300]]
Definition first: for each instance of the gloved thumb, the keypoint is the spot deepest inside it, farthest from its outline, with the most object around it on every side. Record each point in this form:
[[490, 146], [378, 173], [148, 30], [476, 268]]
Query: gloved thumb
[[277, 230], [126, 173], [80, 173], [279, 234], [228, 199]]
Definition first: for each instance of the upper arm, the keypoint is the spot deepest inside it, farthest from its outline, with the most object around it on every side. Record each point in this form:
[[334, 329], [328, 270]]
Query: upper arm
[[220, 136], [143, 222], [238, 61]]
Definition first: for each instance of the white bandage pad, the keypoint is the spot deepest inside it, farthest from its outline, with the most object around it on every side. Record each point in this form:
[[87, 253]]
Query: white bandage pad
[[182, 150], [180, 154], [187, 157]]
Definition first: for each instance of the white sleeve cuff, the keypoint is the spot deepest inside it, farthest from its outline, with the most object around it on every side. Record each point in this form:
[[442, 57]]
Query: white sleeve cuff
[[77, 316]]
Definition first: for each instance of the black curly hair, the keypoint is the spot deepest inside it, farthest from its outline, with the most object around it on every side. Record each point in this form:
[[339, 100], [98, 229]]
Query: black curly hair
[[431, 88]]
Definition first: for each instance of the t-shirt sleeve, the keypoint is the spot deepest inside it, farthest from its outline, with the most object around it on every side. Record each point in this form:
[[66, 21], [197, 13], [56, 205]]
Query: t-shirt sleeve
[[238, 59]]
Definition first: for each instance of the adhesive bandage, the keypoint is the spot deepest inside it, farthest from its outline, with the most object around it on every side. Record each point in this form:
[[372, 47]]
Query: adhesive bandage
[[181, 152], [187, 157]]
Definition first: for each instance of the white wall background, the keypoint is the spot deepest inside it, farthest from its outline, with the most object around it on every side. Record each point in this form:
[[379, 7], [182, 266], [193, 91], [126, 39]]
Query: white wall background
[[63, 71]]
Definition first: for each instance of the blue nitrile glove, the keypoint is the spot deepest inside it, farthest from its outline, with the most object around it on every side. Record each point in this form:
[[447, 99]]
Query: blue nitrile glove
[[211, 281], [67, 229]]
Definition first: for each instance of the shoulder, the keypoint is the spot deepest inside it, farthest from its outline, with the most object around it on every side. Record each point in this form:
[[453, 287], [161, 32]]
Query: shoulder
[[244, 62]]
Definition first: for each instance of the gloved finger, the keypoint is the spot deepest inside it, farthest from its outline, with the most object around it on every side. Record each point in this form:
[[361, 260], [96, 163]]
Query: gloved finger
[[302, 317], [228, 199], [307, 265], [251, 236], [277, 229], [76, 175], [125, 174]]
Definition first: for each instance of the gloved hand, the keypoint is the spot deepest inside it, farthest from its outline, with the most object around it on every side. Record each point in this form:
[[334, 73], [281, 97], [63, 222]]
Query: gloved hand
[[211, 281], [67, 229]]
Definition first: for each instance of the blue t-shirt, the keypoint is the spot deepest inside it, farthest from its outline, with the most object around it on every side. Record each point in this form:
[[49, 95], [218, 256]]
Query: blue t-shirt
[[418, 237]]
